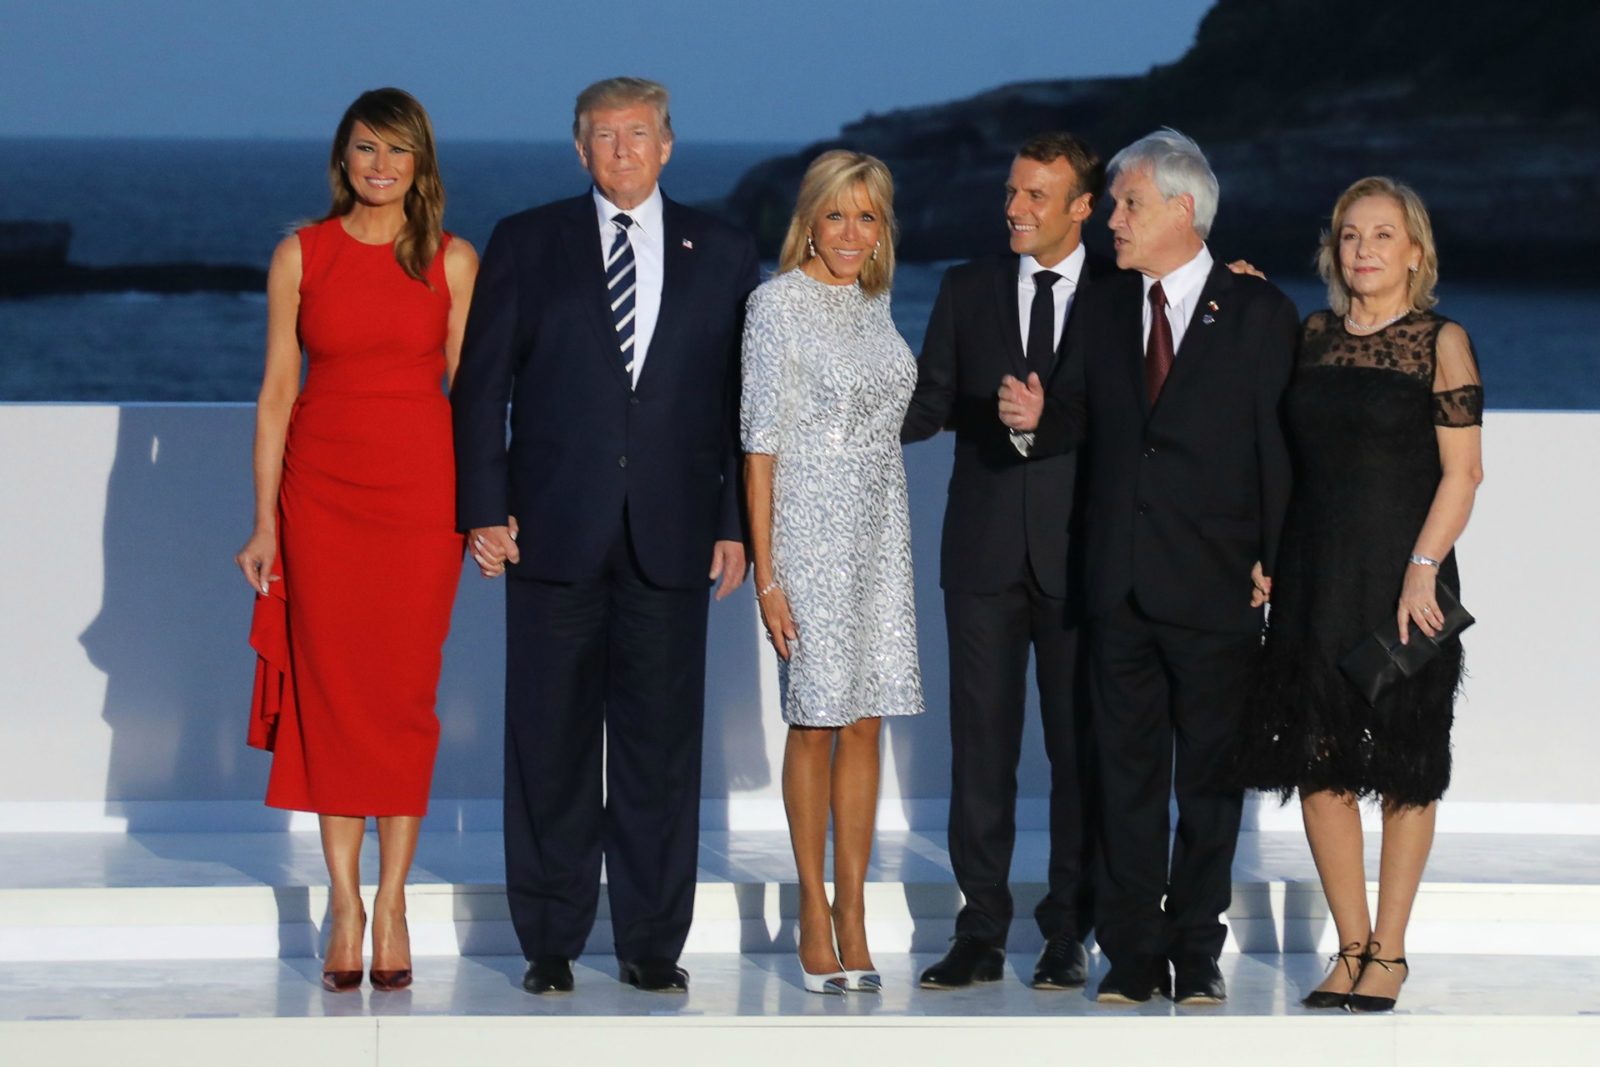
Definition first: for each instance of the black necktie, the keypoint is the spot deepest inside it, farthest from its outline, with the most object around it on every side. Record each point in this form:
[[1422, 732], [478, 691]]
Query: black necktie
[[621, 282], [1042, 324]]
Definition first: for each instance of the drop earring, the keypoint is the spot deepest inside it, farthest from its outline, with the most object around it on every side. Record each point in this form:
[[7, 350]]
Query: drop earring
[[811, 249], [875, 248]]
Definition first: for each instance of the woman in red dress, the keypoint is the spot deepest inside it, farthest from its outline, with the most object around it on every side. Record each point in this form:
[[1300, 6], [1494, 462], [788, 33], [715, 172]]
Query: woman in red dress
[[355, 557]]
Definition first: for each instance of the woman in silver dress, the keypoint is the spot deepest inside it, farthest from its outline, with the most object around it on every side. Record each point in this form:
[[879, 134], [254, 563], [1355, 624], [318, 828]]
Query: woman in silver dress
[[827, 379]]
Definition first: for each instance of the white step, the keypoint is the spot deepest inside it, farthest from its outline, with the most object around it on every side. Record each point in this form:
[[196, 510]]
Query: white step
[[234, 896]]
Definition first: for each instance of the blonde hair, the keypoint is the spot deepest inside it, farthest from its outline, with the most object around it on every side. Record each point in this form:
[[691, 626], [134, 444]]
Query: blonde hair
[[397, 117], [622, 92], [823, 186], [1422, 282]]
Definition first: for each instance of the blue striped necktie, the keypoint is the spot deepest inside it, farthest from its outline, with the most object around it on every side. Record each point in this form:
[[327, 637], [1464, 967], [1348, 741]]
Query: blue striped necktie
[[621, 282]]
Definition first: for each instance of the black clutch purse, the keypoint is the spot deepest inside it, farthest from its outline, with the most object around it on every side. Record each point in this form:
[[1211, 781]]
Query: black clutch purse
[[1381, 660]]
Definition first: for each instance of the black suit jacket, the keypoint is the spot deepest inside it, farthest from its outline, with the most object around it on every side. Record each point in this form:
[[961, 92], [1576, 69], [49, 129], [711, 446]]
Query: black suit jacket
[[1185, 497], [1001, 504], [584, 445]]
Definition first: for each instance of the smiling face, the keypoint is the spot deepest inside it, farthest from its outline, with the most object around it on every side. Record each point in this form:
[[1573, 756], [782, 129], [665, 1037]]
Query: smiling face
[[624, 149], [845, 234], [1044, 211], [379, 172], [1376, 253], [1153, 235]]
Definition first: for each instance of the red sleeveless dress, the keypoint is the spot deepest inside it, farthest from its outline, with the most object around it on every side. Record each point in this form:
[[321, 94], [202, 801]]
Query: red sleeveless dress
[[350, 641]]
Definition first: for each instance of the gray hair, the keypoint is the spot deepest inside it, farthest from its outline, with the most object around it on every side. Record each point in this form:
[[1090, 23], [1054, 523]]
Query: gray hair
[[622, 92], [1177, 166]]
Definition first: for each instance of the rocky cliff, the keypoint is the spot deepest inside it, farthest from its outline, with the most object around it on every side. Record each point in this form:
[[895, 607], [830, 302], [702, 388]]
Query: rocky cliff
[[1491, 111]]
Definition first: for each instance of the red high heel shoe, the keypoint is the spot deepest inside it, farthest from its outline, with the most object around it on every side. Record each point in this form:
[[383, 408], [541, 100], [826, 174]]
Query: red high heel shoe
[[344, 981], [390, 981]]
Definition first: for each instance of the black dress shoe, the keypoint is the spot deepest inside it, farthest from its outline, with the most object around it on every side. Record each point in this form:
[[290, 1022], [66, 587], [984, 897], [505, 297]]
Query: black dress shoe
[[969, 960], [1134, 982], [1064, 964], [654, 975], [1198, 980], [548, 974]]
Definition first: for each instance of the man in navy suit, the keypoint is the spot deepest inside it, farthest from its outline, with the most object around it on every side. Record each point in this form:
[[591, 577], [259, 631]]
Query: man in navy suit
[[1005, 563], [610, 323]]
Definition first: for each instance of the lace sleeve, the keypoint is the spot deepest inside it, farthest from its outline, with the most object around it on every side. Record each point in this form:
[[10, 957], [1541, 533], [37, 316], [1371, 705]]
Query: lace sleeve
[[1457, 390]]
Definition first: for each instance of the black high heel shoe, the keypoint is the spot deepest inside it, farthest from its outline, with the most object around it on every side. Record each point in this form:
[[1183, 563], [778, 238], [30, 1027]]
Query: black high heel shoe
[[1360, 1003], [1353, 962]]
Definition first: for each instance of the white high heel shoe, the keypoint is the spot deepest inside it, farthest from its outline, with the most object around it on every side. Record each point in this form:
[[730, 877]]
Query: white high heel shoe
[[863, 981], [833, 984]]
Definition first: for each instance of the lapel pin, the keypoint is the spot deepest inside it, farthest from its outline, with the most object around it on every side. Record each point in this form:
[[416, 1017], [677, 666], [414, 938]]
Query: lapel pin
[[1207, 320], [688, 244]]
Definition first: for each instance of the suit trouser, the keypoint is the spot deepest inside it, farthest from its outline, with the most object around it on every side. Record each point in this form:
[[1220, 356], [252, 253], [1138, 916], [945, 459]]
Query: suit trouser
[[605, 671], [990, 635], [1166, 705]]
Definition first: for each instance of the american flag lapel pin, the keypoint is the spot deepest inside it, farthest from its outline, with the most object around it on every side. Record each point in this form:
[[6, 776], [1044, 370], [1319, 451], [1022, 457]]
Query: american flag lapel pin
[[688, 244]]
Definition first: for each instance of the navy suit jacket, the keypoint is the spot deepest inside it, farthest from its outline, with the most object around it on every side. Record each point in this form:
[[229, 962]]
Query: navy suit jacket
[[1185, 495], [586, 448], [1001, 505]]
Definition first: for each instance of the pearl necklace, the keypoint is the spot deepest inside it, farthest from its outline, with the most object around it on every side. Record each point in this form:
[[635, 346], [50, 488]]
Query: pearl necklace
[[1352, 324]]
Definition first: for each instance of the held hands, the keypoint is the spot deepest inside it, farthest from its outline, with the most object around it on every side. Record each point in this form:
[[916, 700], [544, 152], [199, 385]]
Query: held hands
[[255, 559], [1260, 586], [1244, 266], [1021, 403], [1419, 602], [727, 563], [494, 546], [779, 623]]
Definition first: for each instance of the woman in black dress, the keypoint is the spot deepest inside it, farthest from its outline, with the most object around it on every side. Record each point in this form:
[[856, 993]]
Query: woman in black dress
[[1384, 417]]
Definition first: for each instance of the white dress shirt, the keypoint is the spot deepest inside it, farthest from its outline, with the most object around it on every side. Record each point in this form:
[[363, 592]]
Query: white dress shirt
[[1064, 290], [1182, 288], [648, 237]]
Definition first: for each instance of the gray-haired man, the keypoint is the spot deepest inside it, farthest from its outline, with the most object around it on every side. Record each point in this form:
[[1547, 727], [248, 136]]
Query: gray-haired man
[[1173, 375]]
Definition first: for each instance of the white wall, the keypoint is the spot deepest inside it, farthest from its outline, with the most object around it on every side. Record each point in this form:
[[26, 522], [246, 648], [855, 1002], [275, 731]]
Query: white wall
[[125, 672]]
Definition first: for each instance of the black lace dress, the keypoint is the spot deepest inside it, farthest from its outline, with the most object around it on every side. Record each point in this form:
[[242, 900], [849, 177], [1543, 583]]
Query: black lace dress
[[1361, 414]]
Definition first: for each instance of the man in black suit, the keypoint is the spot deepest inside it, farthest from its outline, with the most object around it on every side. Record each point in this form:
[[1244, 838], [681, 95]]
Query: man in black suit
[[611, 323], [1004, 565], [1174, 371]]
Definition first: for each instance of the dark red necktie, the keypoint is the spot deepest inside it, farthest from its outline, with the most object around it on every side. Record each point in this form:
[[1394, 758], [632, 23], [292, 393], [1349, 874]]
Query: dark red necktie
[[1158, 349]]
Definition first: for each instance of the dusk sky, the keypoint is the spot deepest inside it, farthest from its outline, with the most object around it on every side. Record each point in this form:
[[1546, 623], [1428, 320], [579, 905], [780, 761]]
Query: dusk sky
[[739, 70]]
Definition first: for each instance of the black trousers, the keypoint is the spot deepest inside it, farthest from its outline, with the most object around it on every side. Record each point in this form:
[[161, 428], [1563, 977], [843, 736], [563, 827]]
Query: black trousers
[[1166, 708], [603, 672], [990, 635]]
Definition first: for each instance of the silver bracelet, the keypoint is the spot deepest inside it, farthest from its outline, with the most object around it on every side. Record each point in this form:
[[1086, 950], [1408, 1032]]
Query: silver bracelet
[[1423, 561], [763, 592]]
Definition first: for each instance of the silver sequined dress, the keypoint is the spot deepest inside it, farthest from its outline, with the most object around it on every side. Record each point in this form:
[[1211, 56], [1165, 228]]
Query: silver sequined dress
[[827, 379]]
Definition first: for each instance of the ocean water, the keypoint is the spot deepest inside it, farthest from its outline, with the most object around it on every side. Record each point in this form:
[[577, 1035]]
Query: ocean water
[[143, 201]]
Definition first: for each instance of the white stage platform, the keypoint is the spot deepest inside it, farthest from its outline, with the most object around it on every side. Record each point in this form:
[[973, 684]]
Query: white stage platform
[[177, 949], [153, 912], [748, 1010]]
